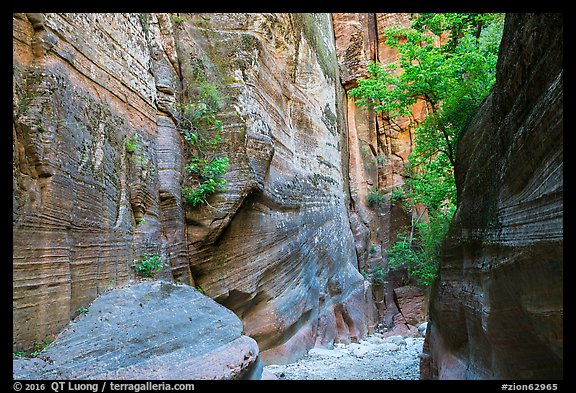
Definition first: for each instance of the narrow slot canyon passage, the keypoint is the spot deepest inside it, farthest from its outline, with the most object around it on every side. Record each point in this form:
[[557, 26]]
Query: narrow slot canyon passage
[[287, 196]]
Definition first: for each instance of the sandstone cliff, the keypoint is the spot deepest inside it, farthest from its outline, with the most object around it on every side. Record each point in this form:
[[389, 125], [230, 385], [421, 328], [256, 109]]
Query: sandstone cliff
[[378, 150], [275, 247], [497, 309], [83, 207]]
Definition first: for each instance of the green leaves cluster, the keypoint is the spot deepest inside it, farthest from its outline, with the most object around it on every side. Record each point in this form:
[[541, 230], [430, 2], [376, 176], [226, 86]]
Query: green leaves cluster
[[448, 61], [209, 173], [148, 265], [199, 125], [419, 251], [375, 197], [132, 143], [378, 275]]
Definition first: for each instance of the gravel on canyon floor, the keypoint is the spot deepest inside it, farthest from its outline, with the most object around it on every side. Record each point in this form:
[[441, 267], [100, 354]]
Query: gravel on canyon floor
[[373, 358]]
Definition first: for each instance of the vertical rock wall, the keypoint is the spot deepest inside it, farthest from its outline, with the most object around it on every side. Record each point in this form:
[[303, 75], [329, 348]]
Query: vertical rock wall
[[276, 247], [83, 206], [497, 309], [98, 166]]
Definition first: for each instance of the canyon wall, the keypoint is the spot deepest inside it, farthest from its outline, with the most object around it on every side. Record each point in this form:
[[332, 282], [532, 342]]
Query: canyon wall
[[496, 311], [378, 150], [84, 208], [275, 247]]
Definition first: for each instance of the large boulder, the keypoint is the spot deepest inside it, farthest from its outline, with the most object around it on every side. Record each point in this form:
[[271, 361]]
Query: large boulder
[[151, 330]]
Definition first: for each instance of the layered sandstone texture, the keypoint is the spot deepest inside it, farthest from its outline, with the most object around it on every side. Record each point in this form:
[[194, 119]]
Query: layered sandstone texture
[[378, 151], [98, 171], [497, 309], [149, 331], [84, 206], [276, 246]]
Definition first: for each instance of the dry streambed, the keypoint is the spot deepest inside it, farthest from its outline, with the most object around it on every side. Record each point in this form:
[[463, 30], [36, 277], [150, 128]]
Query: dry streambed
[[374, 358]]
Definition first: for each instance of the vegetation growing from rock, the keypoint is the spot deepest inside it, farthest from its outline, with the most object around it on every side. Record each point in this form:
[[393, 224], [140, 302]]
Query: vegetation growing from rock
[[148, 265], [199, 125], [449, 62]]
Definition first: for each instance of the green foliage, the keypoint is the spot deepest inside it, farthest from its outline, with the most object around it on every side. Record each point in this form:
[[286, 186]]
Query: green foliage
[[199, 125], [451, 77], [83, 310], [420, 253], [449, 62], [378, 274], [210, 172], [179, 19], [376, 197], [397, 196], [132, 144], [148, 265]]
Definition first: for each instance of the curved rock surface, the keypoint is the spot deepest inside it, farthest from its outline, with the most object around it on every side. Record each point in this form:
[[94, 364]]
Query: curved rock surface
[[497, 309], [275, 247], [151, 330]]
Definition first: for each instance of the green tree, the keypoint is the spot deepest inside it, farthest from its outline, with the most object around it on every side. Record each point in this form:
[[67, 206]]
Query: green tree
[[448, 61]]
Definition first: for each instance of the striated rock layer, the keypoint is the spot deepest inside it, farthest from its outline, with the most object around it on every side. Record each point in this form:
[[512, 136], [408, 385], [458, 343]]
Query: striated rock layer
[[84, 206], [276, 246], [98, 170], [497, 309]]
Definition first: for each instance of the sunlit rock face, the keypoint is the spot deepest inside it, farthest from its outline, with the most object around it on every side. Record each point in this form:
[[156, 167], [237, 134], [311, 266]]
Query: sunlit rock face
[[275, 247], [497, 309]]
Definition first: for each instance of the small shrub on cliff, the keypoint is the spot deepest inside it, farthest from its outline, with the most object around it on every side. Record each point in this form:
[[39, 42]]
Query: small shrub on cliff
[[179, 19], [83, 310], [378, 274], [209, 173], [198, 123], [375, 197], [148, 265], [132, 143]]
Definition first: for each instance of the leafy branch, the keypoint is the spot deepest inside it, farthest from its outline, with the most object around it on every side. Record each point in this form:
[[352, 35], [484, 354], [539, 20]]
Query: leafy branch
[[198, 123], [448, 61]]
